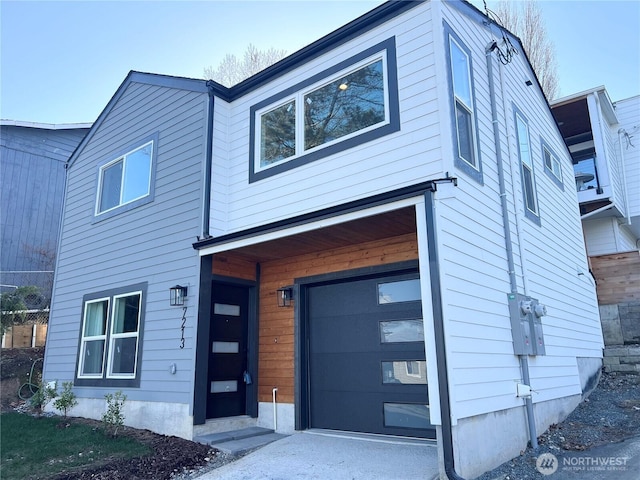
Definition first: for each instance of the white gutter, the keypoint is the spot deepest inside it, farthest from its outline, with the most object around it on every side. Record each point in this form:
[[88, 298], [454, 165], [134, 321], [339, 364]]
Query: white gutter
[[45, 126], [595, 212]]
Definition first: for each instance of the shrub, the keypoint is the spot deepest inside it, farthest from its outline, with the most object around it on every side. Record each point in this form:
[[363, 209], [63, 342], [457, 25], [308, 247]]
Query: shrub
[[67, 399], [42, 396], [113, 418]]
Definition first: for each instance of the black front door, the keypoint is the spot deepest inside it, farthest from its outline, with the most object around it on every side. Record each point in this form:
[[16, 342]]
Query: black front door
[[367, 368], [228, 351]]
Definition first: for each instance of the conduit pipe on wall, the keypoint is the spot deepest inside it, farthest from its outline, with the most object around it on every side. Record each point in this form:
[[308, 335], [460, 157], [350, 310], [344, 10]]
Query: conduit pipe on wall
[[275, 409], [524, 361]]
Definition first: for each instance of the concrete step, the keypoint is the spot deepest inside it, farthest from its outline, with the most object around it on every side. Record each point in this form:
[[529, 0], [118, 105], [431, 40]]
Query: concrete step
[[245, 445], [239, 442]]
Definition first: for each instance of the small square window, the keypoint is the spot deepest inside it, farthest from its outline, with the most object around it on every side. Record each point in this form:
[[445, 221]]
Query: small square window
[[552, 165], [125, 179]]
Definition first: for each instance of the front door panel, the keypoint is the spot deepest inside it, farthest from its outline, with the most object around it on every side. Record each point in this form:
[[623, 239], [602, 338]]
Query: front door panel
[[227, 351]]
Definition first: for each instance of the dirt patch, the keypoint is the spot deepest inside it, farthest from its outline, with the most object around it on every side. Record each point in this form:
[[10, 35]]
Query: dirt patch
[[170, 456], [15, 371]]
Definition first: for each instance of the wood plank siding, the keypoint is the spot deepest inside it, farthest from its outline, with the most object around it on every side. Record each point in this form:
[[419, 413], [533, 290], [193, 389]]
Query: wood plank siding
[[276, 325], [617, 277]]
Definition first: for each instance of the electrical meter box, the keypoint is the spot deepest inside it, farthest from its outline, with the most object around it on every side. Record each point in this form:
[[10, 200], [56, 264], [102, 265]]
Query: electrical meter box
[[526, 324]]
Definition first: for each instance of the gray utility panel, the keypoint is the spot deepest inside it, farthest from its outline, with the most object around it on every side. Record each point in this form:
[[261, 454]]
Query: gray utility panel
[[526, 324]]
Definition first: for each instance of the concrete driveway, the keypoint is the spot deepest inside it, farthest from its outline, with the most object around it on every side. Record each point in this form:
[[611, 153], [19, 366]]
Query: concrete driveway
[[322, 454]]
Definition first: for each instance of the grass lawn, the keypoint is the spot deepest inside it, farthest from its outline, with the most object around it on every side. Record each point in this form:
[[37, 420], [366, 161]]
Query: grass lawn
[[37, 448]]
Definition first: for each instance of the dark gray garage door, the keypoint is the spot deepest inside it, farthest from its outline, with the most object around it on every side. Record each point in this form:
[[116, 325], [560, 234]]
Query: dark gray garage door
[[367, 370]]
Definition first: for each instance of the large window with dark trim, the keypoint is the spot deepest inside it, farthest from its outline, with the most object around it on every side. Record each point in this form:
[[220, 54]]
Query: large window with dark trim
[[344, 106], [125, 179], [463, 105], [109, 347], [526, 166]]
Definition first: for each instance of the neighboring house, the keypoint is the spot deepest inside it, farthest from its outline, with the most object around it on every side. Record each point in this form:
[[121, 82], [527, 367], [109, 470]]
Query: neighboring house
[[32, 174], [360, 242], [604, 141]]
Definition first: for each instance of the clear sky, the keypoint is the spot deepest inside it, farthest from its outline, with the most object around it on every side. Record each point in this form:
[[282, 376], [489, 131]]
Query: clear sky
[[62, 61]]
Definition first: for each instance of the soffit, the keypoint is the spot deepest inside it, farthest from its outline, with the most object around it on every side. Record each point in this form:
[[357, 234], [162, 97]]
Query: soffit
[[378, 227]]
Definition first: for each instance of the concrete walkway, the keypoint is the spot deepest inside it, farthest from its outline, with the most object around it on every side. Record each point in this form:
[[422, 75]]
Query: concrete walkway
[[322, 455]]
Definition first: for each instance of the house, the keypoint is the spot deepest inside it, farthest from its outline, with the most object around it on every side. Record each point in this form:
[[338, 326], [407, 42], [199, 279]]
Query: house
[[362, 237], [32, 163], [602, 137]]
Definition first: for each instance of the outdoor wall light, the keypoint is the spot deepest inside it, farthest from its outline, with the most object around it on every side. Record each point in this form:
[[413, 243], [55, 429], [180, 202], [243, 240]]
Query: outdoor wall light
[[285, 296], [177, 295]]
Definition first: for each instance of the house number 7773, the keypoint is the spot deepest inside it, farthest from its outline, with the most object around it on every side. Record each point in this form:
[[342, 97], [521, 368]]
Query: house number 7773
[[184, 321]]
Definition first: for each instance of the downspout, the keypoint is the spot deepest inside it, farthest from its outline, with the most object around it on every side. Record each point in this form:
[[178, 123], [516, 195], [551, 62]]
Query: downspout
[[206, 207], [524, 361], [439, 337]]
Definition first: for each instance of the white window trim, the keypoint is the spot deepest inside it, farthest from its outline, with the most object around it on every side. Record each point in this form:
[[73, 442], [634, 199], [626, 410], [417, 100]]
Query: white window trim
[[298, 97], [469, 108], [122, 158], [113, 336], [84, 340]]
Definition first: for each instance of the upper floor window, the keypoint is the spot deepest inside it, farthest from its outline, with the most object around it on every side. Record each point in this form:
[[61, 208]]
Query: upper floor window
[[463, 109], [526, 165], [552, 165], [109, 338], [344, 106], [125, 179]]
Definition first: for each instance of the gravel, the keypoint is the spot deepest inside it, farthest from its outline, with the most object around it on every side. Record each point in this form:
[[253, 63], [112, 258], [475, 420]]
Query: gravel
[[610, 414]]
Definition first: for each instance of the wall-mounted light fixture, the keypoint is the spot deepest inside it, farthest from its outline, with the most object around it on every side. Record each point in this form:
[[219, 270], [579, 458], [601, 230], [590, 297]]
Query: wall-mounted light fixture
[[177, 295], [285, 296]]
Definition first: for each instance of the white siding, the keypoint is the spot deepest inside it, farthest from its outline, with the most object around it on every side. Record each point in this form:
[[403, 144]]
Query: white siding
[[484, 369], [151, 243], [403, 158], [605, 236], [628, 113], [600, 236]]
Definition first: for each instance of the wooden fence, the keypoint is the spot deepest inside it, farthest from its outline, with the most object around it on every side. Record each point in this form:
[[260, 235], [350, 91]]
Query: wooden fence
[[25, 336]]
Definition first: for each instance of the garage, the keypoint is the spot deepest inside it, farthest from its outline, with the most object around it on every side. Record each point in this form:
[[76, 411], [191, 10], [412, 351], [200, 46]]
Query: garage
[[366, 356]]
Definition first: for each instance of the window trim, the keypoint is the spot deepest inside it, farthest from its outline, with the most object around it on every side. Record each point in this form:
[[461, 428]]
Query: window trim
[[534, 216], [120, 155], [474, 171], [106, 379], [544, 146], [384, 50]]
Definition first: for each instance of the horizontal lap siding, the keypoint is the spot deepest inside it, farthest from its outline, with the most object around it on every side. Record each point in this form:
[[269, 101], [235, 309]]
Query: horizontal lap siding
[[628, 112], [276, 330], [151, 243], [403, 158], [474, 270]]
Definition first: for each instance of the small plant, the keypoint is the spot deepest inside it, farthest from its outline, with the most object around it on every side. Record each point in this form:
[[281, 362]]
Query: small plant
[[42, 396], [113, 418], [66, 400]]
